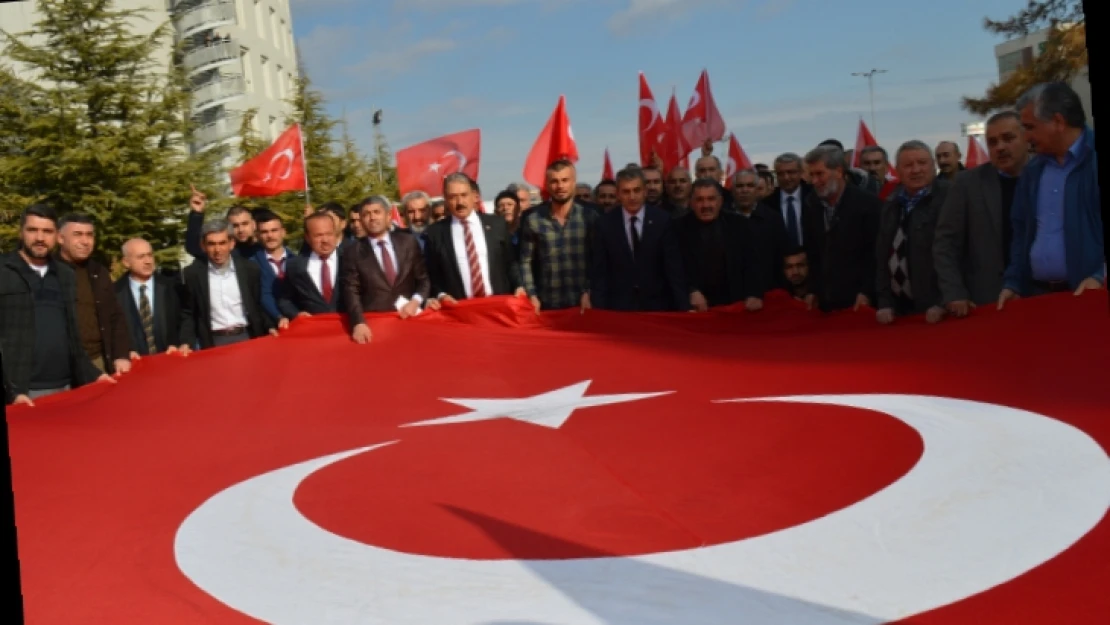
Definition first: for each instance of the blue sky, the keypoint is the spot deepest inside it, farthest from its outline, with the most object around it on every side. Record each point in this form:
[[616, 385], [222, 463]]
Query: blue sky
[[780, 69]]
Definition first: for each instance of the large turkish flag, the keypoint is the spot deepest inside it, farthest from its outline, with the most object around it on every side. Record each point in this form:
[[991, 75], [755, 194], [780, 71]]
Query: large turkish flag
[[484, 464], [422, 167], [277, 169]]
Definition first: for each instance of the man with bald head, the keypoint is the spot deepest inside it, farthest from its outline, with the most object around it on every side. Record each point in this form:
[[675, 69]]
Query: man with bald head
[[677, 187], [150, 302], [948, 160]]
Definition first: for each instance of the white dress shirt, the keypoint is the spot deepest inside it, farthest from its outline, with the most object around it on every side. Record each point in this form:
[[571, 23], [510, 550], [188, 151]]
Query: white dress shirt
[[314, 264], [797, 195], [639, 215], [149, 284], [225, 300], [477, 232]]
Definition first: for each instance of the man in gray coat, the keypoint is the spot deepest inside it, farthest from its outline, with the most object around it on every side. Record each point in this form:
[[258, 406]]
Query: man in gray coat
[[973, 233]]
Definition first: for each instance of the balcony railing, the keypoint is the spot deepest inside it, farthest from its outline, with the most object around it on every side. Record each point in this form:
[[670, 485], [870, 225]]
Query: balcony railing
[[204, 16], [217, 131], [206, 57], [217, 91]]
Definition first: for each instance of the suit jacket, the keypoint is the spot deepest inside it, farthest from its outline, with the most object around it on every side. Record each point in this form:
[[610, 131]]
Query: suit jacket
[[115, 342], [17, 327], [652, 281], [774, 202], [766, 249], [922, 222], [443, 266], [196, 307], [299, 293], [167, 313], [841, 252], [968, 243], [365, 288], [740, 273], [272, 286]]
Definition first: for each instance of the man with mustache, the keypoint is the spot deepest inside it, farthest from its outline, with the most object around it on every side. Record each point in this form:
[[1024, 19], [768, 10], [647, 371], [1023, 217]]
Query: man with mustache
[[973, 233], [42, 347]]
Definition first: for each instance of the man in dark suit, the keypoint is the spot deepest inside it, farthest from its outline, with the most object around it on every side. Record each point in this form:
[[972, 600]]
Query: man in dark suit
[[716, 247], [469, 254], [905, 278], [636, 263], [788, 198], [272, 257], [383, 272], [223, 295], [766, 232], [150, 303], [971, 248], [840, 223], [311, 281]]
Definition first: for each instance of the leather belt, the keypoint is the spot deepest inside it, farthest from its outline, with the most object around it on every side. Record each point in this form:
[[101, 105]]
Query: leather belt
[[1056, 286], [232, 331]]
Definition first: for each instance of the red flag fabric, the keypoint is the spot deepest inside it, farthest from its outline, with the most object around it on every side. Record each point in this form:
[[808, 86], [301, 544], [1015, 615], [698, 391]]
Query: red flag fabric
[[976, 154], [422, 167], [556, 141], [653, 128], [675, 149], [912, 484], [864, 139], [396, 217], [277, 169], [702, 121], [607, 168], [737, 160]]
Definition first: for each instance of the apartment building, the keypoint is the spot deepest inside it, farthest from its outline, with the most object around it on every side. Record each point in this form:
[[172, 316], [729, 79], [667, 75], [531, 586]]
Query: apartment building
[[1021, 51], [239, 55]]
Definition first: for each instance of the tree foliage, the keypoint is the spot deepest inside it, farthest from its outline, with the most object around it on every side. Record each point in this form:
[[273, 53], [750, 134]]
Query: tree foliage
[[97, 120], [1064, 53]]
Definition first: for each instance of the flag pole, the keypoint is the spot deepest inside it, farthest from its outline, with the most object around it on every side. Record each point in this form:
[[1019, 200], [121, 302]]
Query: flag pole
[[304, 159]]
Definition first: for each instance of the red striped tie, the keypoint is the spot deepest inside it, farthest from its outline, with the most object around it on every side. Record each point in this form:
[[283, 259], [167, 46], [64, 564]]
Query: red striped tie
[[477, 285]]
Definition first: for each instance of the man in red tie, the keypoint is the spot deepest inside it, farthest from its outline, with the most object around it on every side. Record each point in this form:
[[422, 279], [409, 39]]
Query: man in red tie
[[469, 254], [383, 272], [310, 281]]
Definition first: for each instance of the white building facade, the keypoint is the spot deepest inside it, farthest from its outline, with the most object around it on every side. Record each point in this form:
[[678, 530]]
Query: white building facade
[[239, 55]]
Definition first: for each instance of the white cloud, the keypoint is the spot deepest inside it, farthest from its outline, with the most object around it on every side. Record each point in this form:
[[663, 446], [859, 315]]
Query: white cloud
[[641, 12]]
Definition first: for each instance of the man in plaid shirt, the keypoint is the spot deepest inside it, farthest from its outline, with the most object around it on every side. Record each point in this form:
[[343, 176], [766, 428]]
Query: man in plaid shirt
[[554, 244]]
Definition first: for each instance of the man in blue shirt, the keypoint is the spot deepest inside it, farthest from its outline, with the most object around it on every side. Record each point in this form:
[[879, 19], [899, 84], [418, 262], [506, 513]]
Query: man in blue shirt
[[1057, 223]]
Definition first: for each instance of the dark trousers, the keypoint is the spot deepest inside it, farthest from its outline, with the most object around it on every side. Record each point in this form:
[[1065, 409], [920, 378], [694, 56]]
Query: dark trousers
[[221, 340]]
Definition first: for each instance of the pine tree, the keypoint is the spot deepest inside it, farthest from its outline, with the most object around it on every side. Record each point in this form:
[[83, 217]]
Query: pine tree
[[1063, 56], [250, 140], [382, 169], [102, 125], [353, 180]]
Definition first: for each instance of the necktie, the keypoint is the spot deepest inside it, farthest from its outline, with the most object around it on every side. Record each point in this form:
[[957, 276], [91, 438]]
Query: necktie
[[635, 235], [279, 268], [387, 264], [325, 278], [477, 284], [791, 222], [147, 319]]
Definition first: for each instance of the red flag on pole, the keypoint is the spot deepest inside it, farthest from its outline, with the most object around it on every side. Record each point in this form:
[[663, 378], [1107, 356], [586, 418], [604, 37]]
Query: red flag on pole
[[737, 160], [555, 142], [976, 155], [607, 168], [277, 169], [653, 128], [864, 139], [702, 121], [422, 167], [675, 149]]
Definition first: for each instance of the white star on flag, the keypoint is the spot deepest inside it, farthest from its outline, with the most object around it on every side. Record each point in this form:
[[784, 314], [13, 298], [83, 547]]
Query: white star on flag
[[550, 409], [434, 167]]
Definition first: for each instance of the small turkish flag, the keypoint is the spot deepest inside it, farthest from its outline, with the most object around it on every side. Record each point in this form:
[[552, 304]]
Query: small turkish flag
[[422, 167], [675, 148], [276, 169], [396, 218], [864, 139], [976, 155], [607, 168], [702, 120], [653, 128], [555, 142], [737, 160]]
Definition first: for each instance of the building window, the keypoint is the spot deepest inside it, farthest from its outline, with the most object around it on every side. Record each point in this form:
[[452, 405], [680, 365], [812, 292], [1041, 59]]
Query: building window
[[259, 19], [1011, 62], [273, 128], [240, 18], [281, 83], [274, 29], [267, 84], [248, 75]]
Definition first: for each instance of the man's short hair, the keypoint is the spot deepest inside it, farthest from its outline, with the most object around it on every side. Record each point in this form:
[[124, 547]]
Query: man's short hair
[[829, 155], [793, 251], [1052, 98], [319, 214], [874, 148], [560, 165], [788, 158], [913, 144], [42, 211], [997, 117], [416, 195], [706, 183], [265, 216], [652, 168], [380, 200], [335, 208], [832, 142], [75, 218], [237, 210], [745, 172], [214, 226], [457, 178], [626, 175]]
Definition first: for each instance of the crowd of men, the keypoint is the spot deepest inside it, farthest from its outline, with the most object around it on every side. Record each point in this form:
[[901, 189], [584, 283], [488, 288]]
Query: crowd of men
[[940, 242]]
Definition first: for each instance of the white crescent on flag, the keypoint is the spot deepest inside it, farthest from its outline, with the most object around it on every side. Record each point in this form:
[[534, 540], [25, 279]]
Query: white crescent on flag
[[459, 157], [997, 492], [651, 107], [286, 153]]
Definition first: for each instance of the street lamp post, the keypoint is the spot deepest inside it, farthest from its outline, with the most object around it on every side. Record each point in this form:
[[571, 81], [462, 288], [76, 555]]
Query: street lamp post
[[870, 76]]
